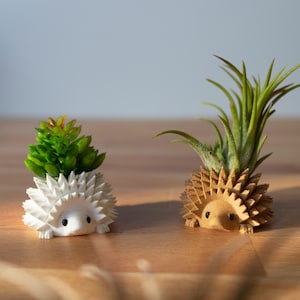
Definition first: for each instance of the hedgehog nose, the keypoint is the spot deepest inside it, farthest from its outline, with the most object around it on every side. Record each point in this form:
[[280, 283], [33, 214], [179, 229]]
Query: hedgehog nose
[[216, 223], [77, 223]]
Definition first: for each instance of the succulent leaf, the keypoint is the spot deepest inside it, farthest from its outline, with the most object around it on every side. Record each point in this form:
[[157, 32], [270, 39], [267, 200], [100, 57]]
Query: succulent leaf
[[83, 142], [98, 161], [33, 167], [59, 149]]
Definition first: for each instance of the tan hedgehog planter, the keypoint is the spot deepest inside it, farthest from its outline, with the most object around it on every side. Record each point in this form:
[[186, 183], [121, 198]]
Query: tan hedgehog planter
[[218, 201], [225, 193]]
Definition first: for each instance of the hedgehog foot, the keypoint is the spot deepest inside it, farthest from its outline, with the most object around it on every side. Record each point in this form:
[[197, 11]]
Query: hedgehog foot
[[102, 228], [46, 235], [193, 222], [246, 229]]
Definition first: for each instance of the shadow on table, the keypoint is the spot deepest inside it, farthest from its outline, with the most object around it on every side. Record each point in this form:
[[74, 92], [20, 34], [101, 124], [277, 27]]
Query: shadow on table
[[147, 215]]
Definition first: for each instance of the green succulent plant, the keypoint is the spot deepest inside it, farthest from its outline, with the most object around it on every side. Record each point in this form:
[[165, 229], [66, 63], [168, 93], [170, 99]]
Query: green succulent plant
[[250, 108], [60, 149]]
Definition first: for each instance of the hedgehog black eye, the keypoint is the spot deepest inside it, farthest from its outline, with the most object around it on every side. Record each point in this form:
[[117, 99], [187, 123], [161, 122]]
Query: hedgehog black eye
[[64, 222], [230, 216], [207, 214], [88, 219]]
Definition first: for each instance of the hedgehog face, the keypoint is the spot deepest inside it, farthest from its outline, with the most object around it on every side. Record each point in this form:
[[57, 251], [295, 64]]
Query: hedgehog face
[[219, 214], [75, 221]]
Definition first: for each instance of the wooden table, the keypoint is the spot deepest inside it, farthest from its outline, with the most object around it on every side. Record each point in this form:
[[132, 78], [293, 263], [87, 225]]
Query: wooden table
[[149, 253]]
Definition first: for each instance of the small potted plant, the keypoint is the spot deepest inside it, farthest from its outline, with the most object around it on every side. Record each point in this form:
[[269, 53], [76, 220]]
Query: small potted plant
[[70, 197], [225, 192]]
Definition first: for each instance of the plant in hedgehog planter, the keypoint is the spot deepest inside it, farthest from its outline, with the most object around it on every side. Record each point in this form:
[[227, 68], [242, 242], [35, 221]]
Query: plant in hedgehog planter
[[225, 193], [70, 198]]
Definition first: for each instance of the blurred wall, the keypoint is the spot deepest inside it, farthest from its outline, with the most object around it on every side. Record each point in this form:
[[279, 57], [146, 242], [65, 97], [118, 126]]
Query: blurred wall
[[138, 59]]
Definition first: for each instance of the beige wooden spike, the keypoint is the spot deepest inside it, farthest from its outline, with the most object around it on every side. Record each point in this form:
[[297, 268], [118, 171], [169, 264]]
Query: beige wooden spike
[[193, 191], [243, 178], [197, 192], [249, 202], [222, 181], [223, 175], [256, 197], [238, 187], [195, 180], [240, 209], [205, 182], [255, 178], [253, 222], [261, 208], [214, 182], [214, 177], [249, 188], [191, 206], [194, 197], [253, 212], [244, 194], [262, 188], [204, 174], [231, 180], [194, 185]]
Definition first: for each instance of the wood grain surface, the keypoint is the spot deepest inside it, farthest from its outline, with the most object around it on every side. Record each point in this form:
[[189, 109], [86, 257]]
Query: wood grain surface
[[149, 253]]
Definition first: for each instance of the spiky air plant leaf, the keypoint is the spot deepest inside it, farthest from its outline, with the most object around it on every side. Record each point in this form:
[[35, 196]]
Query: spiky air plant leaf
[[60, 149], [224, 188], [250, 108]]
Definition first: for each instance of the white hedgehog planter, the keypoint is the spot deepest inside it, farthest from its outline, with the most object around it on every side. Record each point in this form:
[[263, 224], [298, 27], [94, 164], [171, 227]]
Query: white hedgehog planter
[[77, 205]]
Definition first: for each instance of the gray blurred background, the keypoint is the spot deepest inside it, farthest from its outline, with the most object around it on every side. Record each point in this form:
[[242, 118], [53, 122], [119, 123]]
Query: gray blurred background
[[138, 59]]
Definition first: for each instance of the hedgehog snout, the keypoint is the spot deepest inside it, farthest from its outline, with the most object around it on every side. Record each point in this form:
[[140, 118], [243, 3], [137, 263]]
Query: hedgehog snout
[[216, 222], [219, 215], [75, 222]]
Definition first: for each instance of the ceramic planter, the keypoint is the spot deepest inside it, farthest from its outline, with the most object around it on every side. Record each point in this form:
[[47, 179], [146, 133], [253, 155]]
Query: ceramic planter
[[226, 201], [76, 205]]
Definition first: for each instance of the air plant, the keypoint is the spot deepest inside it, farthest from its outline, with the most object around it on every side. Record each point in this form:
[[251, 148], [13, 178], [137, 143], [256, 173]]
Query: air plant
[[229, 163]]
